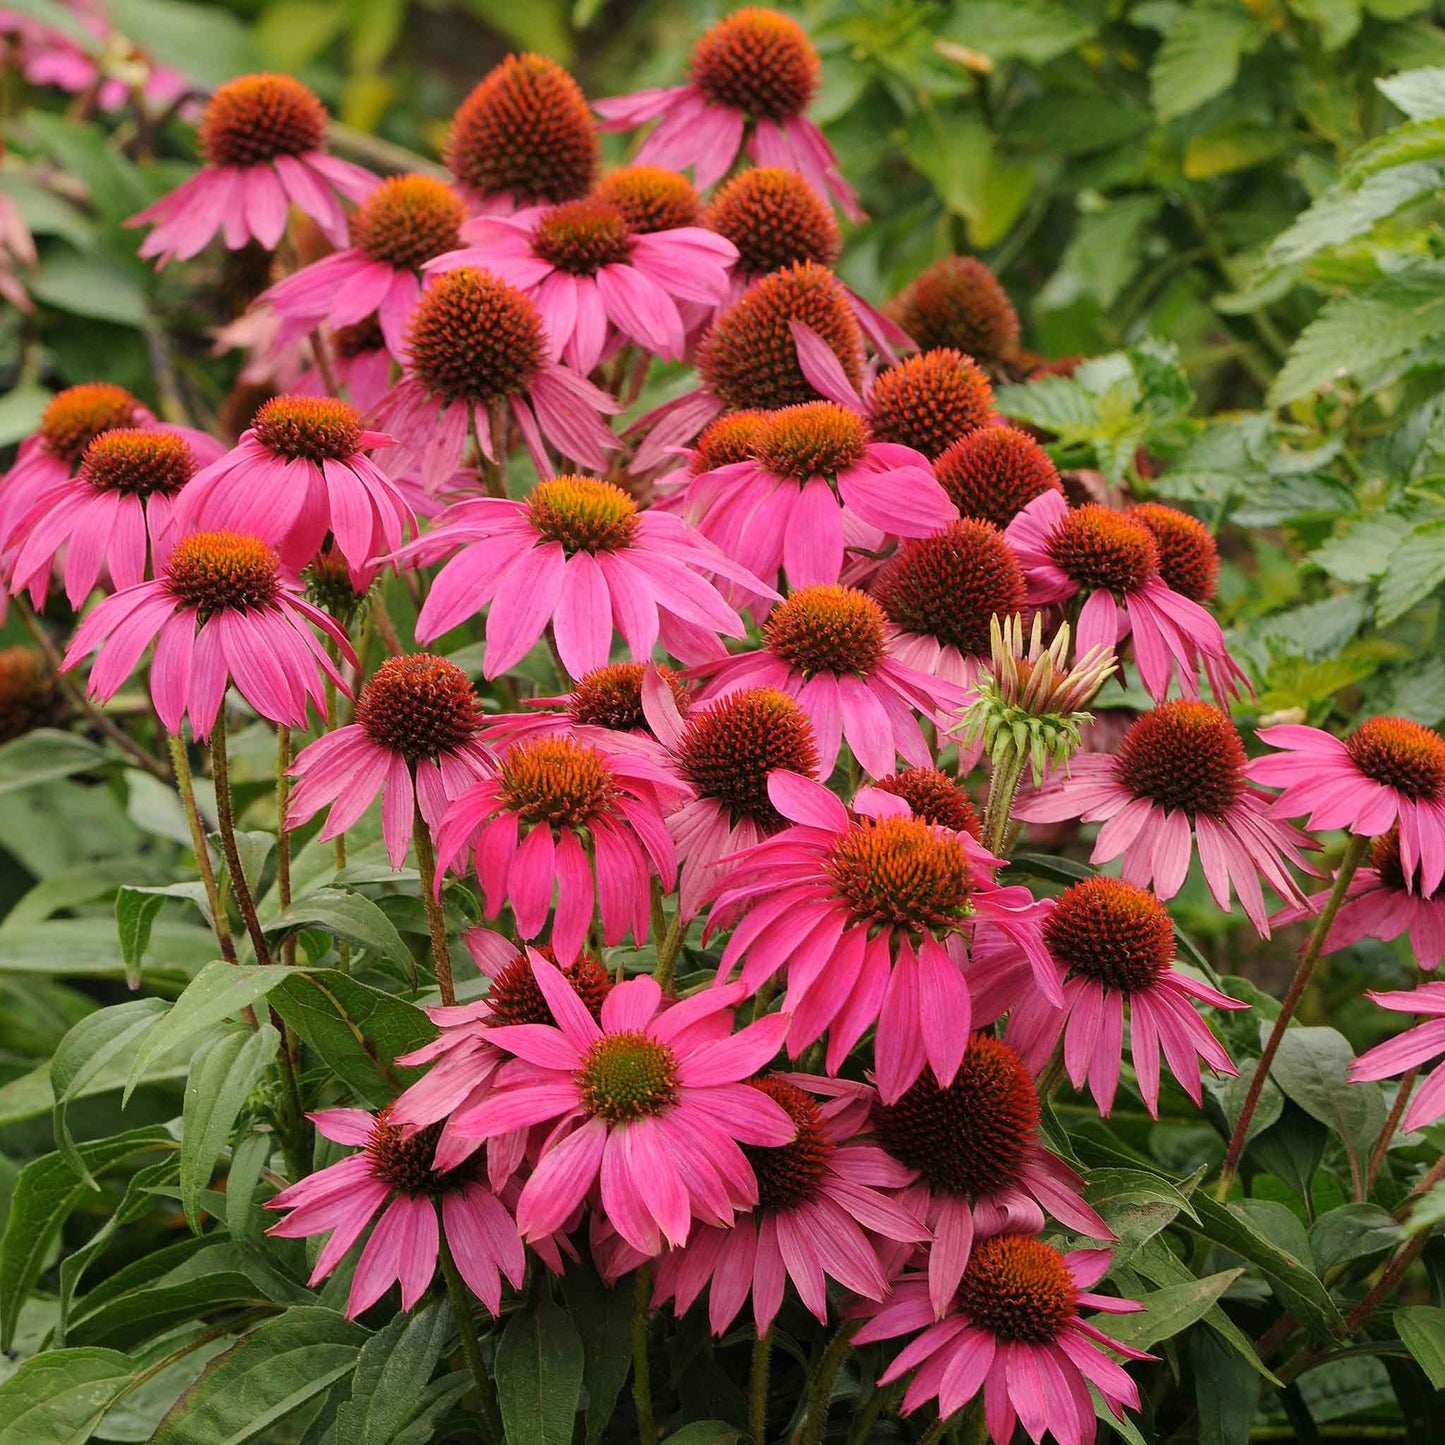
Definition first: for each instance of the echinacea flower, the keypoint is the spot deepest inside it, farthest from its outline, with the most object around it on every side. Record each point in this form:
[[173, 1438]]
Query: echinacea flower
[[1389, 773], [1188, 555], [753, 69], [115, 516], [824, 1198], [871, 916], [298, 474], [975, 1162], [594, 280], [1409, 1050], [413, 743], [958, 302], [30, 695], [726, 750], [526, 827], [1114, 946], [577, 555], [648, 1104], [391, 1178], [935, 797], [220, 612], [829, 648], [930, 402], [652, 198], [1115, 561], [994, 472], [1013, 1333], [815, 486], [477, 355], [1383, 901], [263, 142], [1179, 771], [404, 223], [524, 135]]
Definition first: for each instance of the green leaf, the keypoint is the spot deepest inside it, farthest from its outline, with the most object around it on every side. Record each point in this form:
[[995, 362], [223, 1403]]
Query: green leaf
[[1416, 569], [1337, 20], [1364, 550], [539, 1375], [1422, 1329], [92, 286], [135, 912], [350, 916], [1226, 1391], [20, 411], [1002, 29], [1291, 1149], [45, 753], [58, 1398], [75, 947], [705, 1432], [604, 1320], [219, 991], [225, 1070], [1408, 144], [389, 1389], [98, 1040], [1353, 1231], [46, 1192], [1344, 212], [1136, 1205], [1419, 93], [204, 42], [1170, 1311], [358, 1030], [269, 1372], [1199, 58]]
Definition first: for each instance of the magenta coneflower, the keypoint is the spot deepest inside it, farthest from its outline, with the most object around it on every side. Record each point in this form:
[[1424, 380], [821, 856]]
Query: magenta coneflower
[[526, 827], [1115, 560], [931, 795], [1114, 945], [1012, 1332], [1409, 1050], [477, 355], [754, 68], [114, 515], [594, 278], [1180, 769], [975, 1163], [726, 750], [299, 473], [648, 1103], [820, 1209], [263, 140], [829, 648], [1383, 901], [404, 223], [871, 917], [221, 611], [392, 1178], [815, 485], [1390, 772], [413, 743], [577, 555]]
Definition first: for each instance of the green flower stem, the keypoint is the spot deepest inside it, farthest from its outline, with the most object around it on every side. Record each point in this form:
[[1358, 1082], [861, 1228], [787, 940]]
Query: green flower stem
[[1354, 855], [283, 837], [226, 818], [758, 1389], [461, 1303], [668, 948], [641, 1369], [220, 919], [1008, 771], [820, 1390], [436, 919]]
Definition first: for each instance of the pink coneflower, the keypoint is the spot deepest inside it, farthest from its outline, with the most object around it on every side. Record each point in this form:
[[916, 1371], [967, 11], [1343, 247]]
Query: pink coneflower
[[220, 612], [727, 751], [871, 917], [648, 1104], [1409, 1050], [526, 828], [404, 223], [820, 1207], [1014, 1333], [754, 68], [593, 278], [299, 473], [391, 1178], [578, 555], [114, 516], [413, 743], [815, 485], [1389, 773], [1180, 769], [975, 1163], [17, 249], [1115, 560], [478, 354], [1383, 901], [829, 648], [262, 139], [933, 796], [1114, 945]]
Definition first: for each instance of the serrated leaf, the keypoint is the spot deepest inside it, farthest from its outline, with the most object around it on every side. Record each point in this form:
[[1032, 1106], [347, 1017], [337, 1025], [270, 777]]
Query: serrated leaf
[[58, 1398], [1345, 212], [1363, 551], [539, 1375], [389, 1387], [1415, 571], [1419, 93], [1408, 144], [1199, 58], [1422, 1329]]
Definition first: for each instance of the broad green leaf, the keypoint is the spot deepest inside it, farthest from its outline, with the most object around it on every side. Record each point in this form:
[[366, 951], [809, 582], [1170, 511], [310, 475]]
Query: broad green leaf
[[1429, 1210], [97, 1041], [1337, 20], [88, 947], [204, 42], [1422, 1328], [603, 1318], [82, 884], [135, 912], [1199, 58], [58, 1398], [705, 1432], [1353, 1231], [1419, 93], [1416, 569], [389, 1389], [45, 753], [1344, 212], [225, 1070], [1226, 1391], [1291, 1149], [92, 286], [350, 916], [539, 1375], [1136, 1205], [46, 1192], [20, 411], [1003, 30], [1364, 550], [270, 1371], [1408, 144], [1170, 1311]]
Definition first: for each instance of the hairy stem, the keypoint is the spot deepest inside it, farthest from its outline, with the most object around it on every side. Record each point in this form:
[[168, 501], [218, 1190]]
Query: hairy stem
[[669, 946], [283, 836], [436, 918], [1397, 1110], [758, 1389], [1003, 783], [220, 919], [226, 819], [820, 1390], [641, 1369]]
